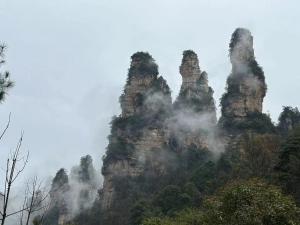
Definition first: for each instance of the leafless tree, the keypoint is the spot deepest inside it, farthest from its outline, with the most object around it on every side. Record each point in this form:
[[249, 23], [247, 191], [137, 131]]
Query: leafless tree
[[35, 201], [15, 164]]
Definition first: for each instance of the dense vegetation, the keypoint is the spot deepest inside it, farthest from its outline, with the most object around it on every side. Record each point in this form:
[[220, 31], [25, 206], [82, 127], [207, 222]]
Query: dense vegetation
[[250, 202]]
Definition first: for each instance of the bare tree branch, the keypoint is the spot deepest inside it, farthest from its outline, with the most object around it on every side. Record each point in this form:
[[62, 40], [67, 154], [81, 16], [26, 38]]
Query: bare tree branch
[[11, 174], [7, 125]]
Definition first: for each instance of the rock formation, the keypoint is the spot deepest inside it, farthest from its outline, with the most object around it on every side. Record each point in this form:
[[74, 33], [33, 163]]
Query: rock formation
[[246, 87], [144, 92], [289, 119], [152, 137], [137, 136], [194, 115], [160, 152], [195, 94], [59, 195]]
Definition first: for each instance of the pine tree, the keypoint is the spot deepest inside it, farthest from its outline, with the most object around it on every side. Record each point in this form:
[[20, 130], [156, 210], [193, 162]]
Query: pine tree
[[5, 82]]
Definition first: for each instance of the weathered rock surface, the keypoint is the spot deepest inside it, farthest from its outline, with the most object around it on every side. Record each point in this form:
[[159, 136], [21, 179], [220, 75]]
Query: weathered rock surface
[[139, 130], [246, 87], [195, 93], [242, 103], [151, 132], [143, 86], [194, 115]]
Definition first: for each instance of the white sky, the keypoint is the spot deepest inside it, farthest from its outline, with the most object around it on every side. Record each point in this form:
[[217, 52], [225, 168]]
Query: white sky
[[69, 59]]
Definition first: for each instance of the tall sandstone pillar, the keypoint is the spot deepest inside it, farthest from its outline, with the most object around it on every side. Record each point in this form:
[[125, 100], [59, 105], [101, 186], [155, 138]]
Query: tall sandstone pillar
[[194, 112], [137, 138], [246, 87]]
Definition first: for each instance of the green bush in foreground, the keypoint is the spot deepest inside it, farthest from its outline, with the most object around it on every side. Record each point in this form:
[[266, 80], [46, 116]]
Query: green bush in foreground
[[250, 202]]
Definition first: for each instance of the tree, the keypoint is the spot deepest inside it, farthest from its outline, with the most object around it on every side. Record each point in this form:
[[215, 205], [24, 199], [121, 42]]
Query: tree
[[260, 154], [5, 82], [172, 199], [251, 202], [34, 202], [15, 164], [185, 217], [288, 167], [253, 155]]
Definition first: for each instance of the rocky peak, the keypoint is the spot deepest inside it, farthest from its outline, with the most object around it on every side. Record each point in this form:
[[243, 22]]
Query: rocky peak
[[195, 93], [246, 85], [189, 69], [142, 65], [194, 115], [138, 134], [142, 85], [241, 48]]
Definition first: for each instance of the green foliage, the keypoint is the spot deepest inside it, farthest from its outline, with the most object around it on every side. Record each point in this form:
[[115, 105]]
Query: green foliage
[[142, 65], [140, 211], [258, 122], [118, 149], [185, 217], [172, 199], [127, 129], [204, 177], [251, 202], [194, 156], [288, 167], [192, 191], [131, 125], [198, 103], [187, 53], [252, 155]]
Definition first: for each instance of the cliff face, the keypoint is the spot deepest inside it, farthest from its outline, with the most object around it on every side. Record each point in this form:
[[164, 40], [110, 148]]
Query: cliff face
[[194, 115], [138, 134], [195, 94], [246, 87], [151, 132], [242, 103], [242, 122]]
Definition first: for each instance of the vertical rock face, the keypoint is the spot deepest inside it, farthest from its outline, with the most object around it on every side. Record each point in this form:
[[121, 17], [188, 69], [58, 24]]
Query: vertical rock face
[[246, 87], [152, 133], [194, 115], [195, 94], [59, 197], [243, 100], [138, 134]]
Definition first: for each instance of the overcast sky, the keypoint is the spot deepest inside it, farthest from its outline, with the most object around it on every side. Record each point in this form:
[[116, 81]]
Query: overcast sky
[[69, 59]]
